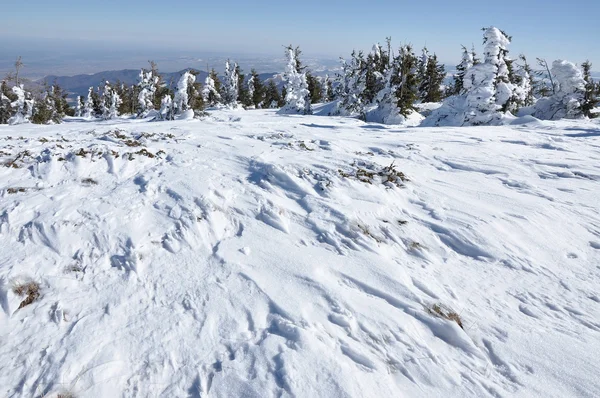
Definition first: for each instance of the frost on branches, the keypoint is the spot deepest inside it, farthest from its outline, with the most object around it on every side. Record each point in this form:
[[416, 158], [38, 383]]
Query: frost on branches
[[147, 86], [182, 98], [487, 94], [230, 85], [567, 100], [297, 98], [210, 94], [22, 106], [88, 107], [110, 103]]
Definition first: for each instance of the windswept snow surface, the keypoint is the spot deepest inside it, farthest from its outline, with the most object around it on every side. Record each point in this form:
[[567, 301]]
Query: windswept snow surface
[[258, 255]]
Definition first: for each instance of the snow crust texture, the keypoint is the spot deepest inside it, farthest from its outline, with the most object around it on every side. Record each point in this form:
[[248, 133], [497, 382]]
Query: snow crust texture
[[261, 255]]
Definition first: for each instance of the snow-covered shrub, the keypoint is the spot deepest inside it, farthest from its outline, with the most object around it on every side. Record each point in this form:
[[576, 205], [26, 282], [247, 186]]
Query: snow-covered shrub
[[569, 95]]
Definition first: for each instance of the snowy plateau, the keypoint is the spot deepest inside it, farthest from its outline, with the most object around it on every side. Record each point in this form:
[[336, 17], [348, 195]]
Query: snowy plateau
[[253, 254]]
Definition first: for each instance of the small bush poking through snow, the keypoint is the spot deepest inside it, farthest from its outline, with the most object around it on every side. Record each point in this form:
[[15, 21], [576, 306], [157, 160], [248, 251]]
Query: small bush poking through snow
[[442, 311], [30, 290], [371, 173]]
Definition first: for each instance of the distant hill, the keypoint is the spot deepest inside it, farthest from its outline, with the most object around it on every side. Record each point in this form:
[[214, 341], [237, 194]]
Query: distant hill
[[79, 84]]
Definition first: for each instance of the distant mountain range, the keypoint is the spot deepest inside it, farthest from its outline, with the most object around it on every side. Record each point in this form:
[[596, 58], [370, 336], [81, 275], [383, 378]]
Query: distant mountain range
[[79, 85]]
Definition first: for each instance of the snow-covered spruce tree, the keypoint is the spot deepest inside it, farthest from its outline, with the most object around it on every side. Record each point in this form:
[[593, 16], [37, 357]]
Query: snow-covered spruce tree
[[79, 106], [523, 87], [6, 99], [109, 102], [184, 93], [395, 102], [375, 67], [272, 96], [230, 88], [88, 109], [327, 89], [167, 111], [315, 88], [51, 106], [211, 89], [243, 94], [569, 95], [457, 87], [297, 97], [22, 106], [488, 87], [590, 100], [430, 87], [256, 89], [352, 86], [147, 86], [421, 71]]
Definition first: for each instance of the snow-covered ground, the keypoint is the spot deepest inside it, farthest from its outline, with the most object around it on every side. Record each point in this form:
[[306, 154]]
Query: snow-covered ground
[[258, 255]]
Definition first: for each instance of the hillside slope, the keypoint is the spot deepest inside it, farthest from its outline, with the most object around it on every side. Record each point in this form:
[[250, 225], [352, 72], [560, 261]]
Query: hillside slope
[[257, 255]]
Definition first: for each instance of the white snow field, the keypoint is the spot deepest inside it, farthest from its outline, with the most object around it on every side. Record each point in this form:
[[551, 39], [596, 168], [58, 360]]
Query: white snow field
[[252, 254]]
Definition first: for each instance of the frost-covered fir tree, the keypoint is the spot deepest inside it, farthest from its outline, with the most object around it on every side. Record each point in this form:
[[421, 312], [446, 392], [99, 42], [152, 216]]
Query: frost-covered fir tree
[[185, 89], [230, 88], [430, 87], [88, 109], [488, 87], [166, 108], [457, 87], [351, 87], [147, 86], [421, 71], [569, 94], [297, 98], [256, 89], [109, 102], [395, 102], [210, 90], [79, 106], [523, 87], [5, 103], [590, 99], [22, 106]]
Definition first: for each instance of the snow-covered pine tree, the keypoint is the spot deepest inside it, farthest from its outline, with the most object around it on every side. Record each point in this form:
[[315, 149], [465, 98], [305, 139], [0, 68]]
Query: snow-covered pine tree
[[315, 88], [421, 73], [6, 99], [243, 95], [569, 94], [22, 106], [523, 87], [272, 96], [166, 108], [211, 89], [351, 87], [256, 89], [374, 70], [147, 86], [184, 93], [465, 64], [297, 98], [430, 89], [407, 90], [109, 102], [88, 109], [590, 100], [488, 87], [230, 89], [79, 106]]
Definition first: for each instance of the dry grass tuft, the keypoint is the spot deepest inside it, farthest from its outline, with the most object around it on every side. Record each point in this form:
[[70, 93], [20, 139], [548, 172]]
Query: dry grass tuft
[[30, 290], [442, 311]]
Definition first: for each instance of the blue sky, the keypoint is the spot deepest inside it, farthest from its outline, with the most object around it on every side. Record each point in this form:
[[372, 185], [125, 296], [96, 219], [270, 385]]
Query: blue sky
[[548, 28]]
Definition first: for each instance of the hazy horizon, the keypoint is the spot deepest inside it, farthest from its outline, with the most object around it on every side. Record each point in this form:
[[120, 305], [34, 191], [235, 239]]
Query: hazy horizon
[[111, 35]]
